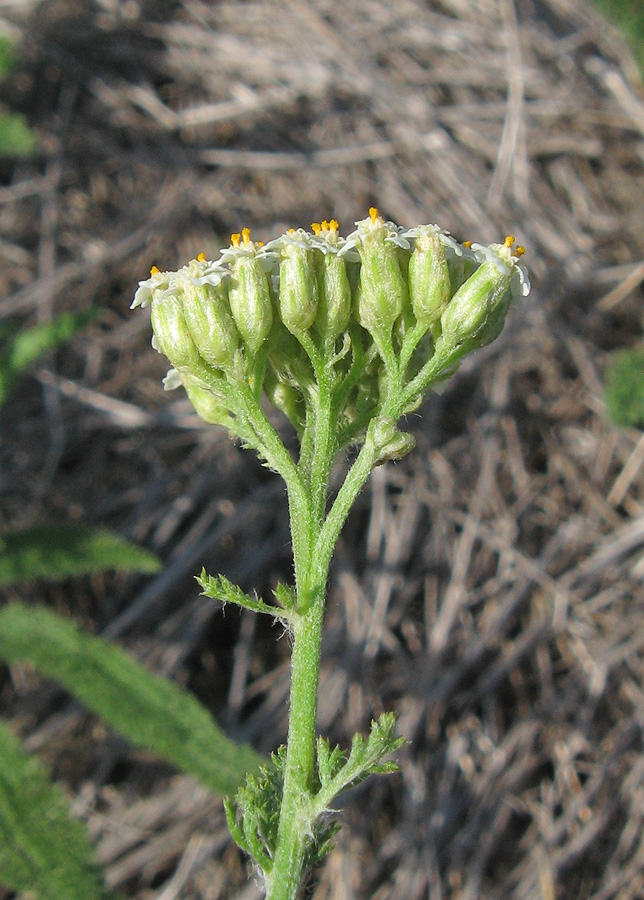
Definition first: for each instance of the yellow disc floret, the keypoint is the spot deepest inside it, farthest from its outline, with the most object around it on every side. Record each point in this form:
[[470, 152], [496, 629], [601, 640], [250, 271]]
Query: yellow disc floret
[[154, 270]]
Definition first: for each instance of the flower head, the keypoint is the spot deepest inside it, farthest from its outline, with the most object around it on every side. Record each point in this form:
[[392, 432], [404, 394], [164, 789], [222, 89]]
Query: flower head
[[476, 313], [370, 311]]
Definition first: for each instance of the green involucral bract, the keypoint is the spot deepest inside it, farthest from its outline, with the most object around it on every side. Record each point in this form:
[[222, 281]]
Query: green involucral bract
[[430, 286], [383, 287], [249, 293], [298, 293], [343, 335]]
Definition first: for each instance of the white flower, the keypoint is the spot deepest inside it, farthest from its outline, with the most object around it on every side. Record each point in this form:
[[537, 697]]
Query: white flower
[[451, 245], [507, 262], [393, 234], [158, 281]]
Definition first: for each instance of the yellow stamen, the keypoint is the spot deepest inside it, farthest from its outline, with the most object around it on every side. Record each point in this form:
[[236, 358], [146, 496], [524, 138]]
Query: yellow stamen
[[316, 228], [508, 241], [519, 251], [235, 239], [246, 236], [467, 244], [154, 270], [373, 214], [291, 231], [333, 225], [259, 243], [201, 257]]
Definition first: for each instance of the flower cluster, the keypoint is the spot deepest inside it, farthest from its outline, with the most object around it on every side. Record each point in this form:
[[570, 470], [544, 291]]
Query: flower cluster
[[364, 324]]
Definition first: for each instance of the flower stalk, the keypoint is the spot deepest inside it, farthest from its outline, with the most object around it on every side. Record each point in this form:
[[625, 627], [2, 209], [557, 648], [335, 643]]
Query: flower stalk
[[344, 336]]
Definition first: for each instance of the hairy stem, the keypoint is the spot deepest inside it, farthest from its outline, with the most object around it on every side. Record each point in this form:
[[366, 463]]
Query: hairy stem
[[295, 810]]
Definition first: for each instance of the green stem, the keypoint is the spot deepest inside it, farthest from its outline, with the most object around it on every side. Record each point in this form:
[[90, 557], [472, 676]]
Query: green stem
[[410, 343], [353, 484], [268, 442], [442, 359], [324, 453], [295, 810]]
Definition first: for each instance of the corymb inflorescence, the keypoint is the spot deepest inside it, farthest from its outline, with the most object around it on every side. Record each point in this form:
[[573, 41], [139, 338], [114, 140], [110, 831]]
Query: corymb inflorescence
[[370, 320]]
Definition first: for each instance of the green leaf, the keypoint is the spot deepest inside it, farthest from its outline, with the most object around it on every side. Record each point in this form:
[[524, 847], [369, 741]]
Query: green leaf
[[23, 348], [285, 595], [218, 587], [7, 56], [43, 851], [16, 137], [253, 817], [336, 772], [56, 552], [149, 711], [625, 387], [629, 18]]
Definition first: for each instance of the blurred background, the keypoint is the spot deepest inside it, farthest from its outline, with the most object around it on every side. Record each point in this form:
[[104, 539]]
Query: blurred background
[[488, 588]]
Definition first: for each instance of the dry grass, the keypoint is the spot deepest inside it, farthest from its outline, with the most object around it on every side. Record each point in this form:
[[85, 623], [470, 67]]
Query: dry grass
[[489, 588]]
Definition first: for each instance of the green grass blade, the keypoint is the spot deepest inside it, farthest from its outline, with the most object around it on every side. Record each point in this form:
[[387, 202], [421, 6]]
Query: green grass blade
[[43, 851], [151, 712], [23, 348], [57, 552]]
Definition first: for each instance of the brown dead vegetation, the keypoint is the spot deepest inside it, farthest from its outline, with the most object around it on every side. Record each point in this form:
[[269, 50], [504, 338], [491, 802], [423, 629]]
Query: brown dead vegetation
[[489, 587]]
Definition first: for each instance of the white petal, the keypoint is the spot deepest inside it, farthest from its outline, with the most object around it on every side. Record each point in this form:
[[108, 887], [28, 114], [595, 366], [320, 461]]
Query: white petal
[[172, 380]]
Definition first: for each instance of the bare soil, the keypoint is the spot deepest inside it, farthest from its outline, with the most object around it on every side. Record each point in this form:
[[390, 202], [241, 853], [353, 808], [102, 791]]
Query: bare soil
[[489, 587]]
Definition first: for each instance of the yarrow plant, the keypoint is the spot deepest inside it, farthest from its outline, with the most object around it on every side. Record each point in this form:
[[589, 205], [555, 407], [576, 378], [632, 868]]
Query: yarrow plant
[[344, 336]]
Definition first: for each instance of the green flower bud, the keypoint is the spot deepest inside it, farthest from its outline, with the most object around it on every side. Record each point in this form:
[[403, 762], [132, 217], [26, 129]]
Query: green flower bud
[[383, 290], [334, 306], [389, 442], [207, 406], [476, 312], [207, 313], [171, 335], [429, 278], [288, 358], [334, 290], [298, 295], [249, 292], [286, 398]]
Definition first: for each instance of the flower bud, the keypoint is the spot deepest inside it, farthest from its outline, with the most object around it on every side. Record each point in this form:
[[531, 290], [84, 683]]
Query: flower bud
[[429, 277], [389, 442], [334, 305], [383, 290], [286, 398], [334, 290], [249, 292], [288, 358], [207, 313], [298, 292], [207, 406], [476, 312], [171, 335]]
